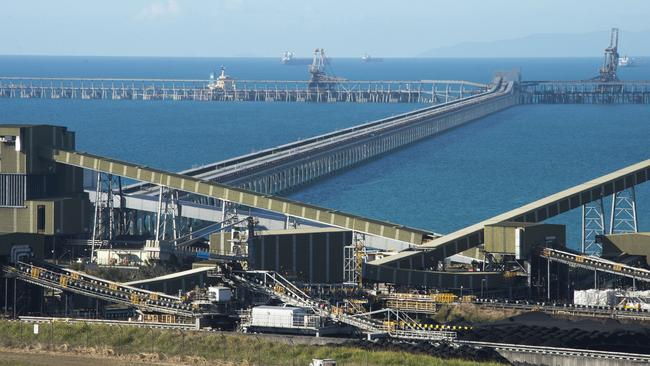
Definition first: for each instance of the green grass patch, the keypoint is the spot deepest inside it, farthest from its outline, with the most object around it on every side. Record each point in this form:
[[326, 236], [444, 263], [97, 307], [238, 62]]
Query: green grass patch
[[12, 362], [231, 347]]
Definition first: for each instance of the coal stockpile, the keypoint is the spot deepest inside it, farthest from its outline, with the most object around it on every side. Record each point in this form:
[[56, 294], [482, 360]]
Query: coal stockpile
[[440, 350], [538, 329]]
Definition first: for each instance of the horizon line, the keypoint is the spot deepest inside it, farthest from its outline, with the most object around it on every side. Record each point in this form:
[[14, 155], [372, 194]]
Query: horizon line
[[302, 58]]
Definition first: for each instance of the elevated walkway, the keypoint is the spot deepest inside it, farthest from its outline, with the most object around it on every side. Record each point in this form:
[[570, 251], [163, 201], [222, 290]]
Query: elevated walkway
[[172, 283]]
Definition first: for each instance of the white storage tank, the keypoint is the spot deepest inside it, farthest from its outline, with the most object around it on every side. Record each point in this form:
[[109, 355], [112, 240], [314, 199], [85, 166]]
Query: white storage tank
[[219, 293], [277, 316]]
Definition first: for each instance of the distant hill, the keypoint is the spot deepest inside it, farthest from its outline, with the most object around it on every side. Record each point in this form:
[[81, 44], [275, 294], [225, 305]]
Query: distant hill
[[549, 45]]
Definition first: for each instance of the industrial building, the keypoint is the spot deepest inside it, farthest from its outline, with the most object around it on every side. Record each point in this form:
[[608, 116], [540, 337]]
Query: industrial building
[[43, 201]]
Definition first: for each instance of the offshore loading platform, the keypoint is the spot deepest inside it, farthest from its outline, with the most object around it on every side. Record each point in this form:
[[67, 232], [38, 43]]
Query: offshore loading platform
[[322, 86], [252, 248]]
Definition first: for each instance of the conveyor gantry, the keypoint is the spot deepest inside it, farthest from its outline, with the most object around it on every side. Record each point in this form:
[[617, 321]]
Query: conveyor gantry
[[431, 252], [274, 285], [57, 278], [241, 196], [596, 264]]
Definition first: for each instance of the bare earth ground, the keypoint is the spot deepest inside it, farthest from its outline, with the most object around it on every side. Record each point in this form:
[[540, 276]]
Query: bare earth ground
[[36, 357]]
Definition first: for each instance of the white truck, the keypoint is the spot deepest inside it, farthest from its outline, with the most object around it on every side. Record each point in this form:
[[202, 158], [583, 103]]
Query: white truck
[[277, 317]]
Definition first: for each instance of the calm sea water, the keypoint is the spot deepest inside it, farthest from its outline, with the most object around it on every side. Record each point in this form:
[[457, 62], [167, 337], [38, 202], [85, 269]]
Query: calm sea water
[[442, 184]]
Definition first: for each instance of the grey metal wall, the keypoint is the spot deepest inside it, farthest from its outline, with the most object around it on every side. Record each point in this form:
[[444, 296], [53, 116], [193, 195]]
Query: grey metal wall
[[433, 279], [314, 256]]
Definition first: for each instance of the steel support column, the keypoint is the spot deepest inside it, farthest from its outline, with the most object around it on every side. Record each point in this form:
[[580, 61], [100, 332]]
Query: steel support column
[[623, 217], [593, 224]]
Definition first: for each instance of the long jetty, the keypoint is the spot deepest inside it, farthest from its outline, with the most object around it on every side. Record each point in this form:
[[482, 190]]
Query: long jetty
[[585, 92], [286, 167], [357, 91]]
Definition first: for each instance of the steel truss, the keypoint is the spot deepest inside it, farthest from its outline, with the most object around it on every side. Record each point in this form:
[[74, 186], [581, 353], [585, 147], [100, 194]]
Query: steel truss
[[109, 220], [623, 217], [168, 211], [593, 225]]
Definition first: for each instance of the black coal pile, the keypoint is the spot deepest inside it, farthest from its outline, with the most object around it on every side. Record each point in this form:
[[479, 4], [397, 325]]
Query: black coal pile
[[441, 350], [538, 329]]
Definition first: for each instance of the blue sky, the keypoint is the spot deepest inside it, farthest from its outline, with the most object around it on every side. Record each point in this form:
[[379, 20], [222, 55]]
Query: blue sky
[[267, 28]]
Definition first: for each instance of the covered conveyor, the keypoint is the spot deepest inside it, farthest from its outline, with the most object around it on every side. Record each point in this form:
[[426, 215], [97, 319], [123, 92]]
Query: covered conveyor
[[394, 268], [242, 196], [430, 253], [62, 279], [594, 263]]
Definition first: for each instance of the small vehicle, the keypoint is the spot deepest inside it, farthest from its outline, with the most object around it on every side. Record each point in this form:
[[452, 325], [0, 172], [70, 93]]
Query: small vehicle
[[322, 362]]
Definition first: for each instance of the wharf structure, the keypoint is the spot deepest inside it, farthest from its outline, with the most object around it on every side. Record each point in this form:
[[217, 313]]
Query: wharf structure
[[606, 88], [355, 91], [340, 91], [585, 92]]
